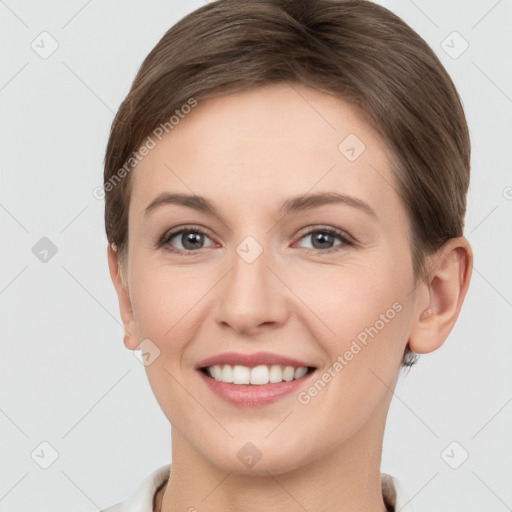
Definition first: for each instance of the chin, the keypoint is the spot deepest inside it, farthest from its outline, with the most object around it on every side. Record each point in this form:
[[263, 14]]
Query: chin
[[253, 459]]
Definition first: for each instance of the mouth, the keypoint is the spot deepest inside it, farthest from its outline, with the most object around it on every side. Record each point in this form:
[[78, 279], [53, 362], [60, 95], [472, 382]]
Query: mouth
[[253, 379], [260, 375]]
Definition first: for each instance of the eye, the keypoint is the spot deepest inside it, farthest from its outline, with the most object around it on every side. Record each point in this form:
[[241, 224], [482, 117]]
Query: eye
[[189, 240], [186, 240], [323, 238]]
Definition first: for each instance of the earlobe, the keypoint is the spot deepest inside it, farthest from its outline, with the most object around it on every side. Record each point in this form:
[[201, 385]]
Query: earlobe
[[125, 306], [447, 285]]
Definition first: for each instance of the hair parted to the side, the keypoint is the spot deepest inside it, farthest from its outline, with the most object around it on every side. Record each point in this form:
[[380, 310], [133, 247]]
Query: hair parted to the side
[[353, 49]]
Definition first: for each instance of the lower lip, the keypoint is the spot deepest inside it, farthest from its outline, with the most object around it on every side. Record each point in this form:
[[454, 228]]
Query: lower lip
[[253, 395]]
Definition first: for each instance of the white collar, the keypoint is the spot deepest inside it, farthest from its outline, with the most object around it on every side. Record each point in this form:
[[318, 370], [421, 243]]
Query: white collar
[[142, 499]]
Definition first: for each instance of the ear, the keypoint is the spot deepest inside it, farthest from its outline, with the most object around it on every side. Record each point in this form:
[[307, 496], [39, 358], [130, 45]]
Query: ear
[[131, 340], [445, 286]]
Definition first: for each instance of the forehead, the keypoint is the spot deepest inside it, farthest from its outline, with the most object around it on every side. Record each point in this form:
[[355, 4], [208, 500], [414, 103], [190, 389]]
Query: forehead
[[262, 144]]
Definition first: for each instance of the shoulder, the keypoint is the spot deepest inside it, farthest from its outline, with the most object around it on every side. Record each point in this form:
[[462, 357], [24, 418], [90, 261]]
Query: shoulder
[[394, 494], [142, 498]]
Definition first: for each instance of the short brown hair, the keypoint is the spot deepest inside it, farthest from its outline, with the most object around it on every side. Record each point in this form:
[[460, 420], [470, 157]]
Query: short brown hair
[[354, 49]]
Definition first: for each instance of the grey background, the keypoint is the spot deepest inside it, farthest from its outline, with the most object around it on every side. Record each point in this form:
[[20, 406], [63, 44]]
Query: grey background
[[65, 376]]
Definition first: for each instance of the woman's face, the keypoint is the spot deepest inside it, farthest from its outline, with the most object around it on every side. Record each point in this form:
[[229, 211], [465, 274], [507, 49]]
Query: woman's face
[[282, 267]]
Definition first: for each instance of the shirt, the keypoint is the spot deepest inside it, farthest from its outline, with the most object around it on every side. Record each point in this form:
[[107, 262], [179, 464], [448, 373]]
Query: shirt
[[141, 500]]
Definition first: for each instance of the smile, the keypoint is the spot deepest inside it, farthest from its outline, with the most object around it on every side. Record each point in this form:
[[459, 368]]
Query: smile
[[257, 375], [256, 379]]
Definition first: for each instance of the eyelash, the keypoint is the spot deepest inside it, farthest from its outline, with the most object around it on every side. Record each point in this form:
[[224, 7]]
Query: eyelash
[[346, 242]]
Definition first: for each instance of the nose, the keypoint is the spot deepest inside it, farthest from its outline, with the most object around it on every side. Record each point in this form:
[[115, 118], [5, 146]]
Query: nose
[[252, 298]]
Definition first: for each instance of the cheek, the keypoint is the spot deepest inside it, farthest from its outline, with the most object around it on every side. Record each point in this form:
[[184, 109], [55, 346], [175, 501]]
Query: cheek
[[166, 306], [358, 301], [368, 310], [165, 301]]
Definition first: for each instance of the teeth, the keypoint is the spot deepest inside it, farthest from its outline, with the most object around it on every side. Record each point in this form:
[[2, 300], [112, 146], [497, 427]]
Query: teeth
[[226, 375], [217, 373], [258, 376], [300, 372], [288, 373], [276, 373], [241, 375]]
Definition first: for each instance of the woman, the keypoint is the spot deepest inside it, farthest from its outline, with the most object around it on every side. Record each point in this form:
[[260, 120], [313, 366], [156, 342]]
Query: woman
[[285, 196]]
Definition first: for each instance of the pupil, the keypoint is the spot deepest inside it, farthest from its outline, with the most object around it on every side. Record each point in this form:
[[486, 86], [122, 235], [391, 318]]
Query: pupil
[[188, 240], [322, 238]]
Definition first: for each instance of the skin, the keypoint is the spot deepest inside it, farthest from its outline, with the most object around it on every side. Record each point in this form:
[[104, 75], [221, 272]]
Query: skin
[[246, 153]]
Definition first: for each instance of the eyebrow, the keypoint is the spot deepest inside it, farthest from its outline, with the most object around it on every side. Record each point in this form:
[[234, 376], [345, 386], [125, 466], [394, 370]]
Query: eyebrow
[[290, 205]]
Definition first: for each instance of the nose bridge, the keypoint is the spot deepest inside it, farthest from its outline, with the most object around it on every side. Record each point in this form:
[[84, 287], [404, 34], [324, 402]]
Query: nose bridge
[[251, 295]]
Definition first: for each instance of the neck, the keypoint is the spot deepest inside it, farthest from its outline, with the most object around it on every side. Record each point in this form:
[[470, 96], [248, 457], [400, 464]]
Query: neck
[[347, 479]]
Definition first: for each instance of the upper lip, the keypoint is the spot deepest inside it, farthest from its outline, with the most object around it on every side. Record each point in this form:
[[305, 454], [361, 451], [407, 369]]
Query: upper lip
[[250, 360]]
